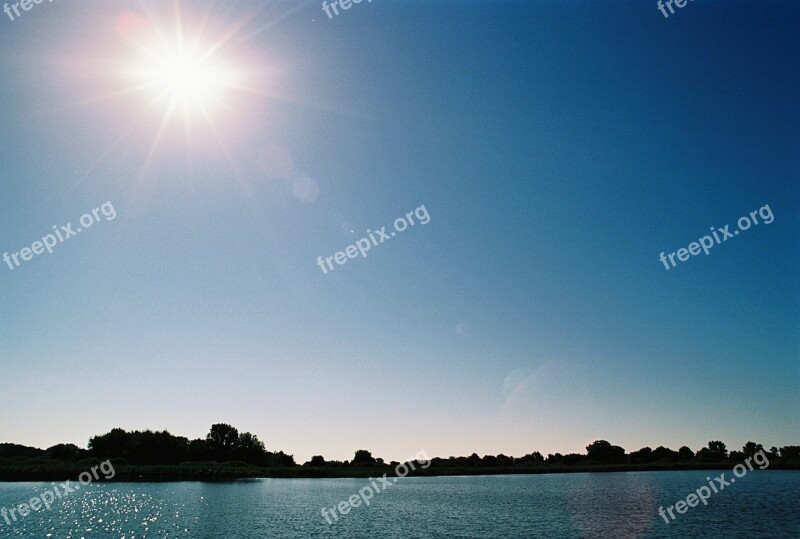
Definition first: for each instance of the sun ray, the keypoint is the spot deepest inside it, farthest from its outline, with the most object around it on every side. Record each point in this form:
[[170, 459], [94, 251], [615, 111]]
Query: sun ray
[[160, 132], [182, 73]]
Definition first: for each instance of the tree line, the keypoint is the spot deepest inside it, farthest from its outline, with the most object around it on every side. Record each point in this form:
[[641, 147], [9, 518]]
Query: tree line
[[225, 444]]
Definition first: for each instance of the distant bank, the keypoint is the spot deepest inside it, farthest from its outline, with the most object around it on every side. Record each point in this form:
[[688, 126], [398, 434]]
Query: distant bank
[[226, 454], [235, 471]]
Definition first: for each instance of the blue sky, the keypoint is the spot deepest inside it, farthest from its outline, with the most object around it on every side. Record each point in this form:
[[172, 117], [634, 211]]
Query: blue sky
[[558, 147]]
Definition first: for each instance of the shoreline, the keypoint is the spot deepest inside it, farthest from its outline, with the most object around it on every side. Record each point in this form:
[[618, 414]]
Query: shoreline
[[226, 473]]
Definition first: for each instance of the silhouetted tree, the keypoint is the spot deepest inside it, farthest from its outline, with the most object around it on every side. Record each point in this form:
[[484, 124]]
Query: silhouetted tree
[[316, 460], [718, 449], [281, 459], [139, 447], [665, 453], [531, 458], [686, 453], [363, 456], [504, 460], [642, 456], [603, 451], [156, 448], [736, 455], [571, 459], [250, 449], [222, 441], [110, 445], [751, 448], [489, 460], [65, 452]]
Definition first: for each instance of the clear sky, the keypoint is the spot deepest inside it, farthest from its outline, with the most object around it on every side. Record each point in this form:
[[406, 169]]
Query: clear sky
[[559, 148]]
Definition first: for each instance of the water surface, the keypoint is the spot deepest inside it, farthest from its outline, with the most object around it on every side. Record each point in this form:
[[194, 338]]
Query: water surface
[[760, 504]]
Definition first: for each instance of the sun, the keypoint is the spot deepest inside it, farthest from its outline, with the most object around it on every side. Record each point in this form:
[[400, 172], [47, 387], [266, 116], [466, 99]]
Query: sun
[[185, 79], [181, 76], [177, 87], [178, 71], [185, 76]]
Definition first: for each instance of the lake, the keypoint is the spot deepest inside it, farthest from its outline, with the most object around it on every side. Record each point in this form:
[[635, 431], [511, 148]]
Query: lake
[[625, 504]]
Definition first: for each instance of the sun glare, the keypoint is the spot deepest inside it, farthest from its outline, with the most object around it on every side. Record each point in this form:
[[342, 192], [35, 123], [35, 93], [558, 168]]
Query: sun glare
[[187, 75], [178, 71], [190, 79]]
